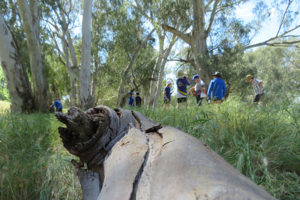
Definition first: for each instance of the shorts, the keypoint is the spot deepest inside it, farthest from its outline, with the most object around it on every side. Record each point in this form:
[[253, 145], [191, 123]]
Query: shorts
[[181, 100]]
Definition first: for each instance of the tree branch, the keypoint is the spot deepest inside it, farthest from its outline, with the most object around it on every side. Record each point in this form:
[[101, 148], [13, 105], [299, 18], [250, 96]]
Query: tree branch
[[267, 42], [281, 23], [185, 37], [212, 17]]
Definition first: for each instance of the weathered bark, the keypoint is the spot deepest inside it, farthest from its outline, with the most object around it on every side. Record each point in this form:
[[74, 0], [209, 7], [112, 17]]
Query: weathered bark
[[137, 159], [17, 80], [85, 92], [30, 19]]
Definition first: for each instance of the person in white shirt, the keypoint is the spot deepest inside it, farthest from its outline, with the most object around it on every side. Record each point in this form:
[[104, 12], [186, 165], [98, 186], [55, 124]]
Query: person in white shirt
[[258, 87], [199, 89]]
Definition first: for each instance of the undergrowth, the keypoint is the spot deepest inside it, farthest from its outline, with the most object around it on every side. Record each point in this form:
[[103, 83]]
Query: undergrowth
[[33, 162], [261, 141]]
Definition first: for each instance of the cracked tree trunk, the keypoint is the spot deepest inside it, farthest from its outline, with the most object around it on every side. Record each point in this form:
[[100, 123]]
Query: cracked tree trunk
[[135, 158]]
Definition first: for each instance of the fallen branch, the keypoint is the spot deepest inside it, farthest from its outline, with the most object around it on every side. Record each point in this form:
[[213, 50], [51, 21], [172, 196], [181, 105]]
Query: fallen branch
[[138, 159]]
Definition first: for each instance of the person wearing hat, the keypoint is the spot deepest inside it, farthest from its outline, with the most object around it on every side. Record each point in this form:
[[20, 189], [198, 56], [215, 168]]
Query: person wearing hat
[[257, 87], [217, 89], [199, 89], [167, 94], [138, 100], [131, 99], [182, 82], [58, 105]]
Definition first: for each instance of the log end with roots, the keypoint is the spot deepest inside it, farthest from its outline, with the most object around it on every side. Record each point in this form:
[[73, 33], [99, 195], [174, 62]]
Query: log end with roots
[[136, 158]]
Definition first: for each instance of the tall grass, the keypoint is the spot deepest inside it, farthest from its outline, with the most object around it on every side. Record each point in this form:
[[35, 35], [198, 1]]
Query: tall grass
[[33, 163], [262, 142]]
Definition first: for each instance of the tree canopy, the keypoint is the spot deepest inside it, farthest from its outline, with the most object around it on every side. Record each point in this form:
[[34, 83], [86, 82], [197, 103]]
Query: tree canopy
[[132, 41]]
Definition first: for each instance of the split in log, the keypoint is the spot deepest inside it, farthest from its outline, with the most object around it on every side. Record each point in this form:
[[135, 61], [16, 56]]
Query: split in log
[[136, 158]]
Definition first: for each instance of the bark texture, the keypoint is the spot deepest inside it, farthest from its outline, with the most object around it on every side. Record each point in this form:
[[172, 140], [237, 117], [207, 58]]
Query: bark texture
[[17, 80], [138, 159], [29, 13], [85, 73]]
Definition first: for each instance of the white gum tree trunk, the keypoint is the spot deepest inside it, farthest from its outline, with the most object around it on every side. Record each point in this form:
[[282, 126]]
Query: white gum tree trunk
[[162, 70], [17, 80], [137, 158], [85, 71], [29, 14], [155, 74]]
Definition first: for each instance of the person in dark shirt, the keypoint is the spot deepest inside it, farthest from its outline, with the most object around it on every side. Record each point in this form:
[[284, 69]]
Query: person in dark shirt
[[138, 100], [131, 99], [57, 104], [167, 94], [181, 83]]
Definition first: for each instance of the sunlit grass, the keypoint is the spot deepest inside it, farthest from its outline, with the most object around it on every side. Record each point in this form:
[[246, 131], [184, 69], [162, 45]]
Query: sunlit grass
[[4, 106], [262, 142], [33, 162]]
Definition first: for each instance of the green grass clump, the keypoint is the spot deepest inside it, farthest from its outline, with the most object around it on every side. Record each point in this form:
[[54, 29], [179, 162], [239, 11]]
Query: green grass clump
[[262, 142], [33, 163]]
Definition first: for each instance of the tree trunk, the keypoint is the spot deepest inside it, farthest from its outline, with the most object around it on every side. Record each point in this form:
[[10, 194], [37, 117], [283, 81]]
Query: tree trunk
[[30, 18], [155, 74], [162, 70], [199, 36], [17, 80], [85, 73], [95, 79], [122, 91], [138, 159]]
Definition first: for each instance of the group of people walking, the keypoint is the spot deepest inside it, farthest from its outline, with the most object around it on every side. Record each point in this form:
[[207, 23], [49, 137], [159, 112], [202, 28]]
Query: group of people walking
[[216, 92]]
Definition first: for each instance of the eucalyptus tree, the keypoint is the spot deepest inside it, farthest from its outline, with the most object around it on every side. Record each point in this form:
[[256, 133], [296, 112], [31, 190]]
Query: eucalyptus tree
[[159, 12], [17, 80], [29, 10], [85, 92], [214, 24], [130, 38], [61, 19]]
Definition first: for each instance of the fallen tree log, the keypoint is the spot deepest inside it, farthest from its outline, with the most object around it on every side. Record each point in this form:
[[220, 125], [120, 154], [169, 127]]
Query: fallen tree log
[[136, 158]]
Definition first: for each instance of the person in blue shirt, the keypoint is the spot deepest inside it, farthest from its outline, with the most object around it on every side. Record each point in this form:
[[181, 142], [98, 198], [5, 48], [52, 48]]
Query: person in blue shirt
[[131, 99], [57, 104], [181, 83], [167, 94], [217, 89]]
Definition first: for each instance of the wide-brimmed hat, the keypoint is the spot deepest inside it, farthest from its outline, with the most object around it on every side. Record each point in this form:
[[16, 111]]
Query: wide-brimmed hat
[[180, 74], [217, 74], [169, 82], [249, 76]]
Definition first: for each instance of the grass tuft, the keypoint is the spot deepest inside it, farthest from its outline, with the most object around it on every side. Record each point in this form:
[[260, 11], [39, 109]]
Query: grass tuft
[[262, 142]]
